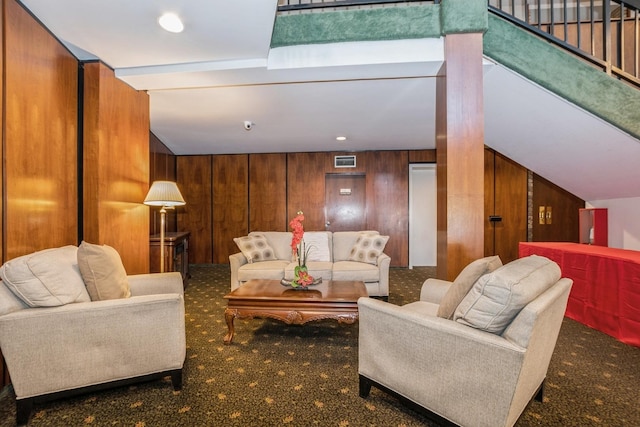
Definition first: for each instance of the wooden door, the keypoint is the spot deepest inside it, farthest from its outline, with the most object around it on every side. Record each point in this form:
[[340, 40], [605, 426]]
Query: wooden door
[[345, 202], [505, 206]]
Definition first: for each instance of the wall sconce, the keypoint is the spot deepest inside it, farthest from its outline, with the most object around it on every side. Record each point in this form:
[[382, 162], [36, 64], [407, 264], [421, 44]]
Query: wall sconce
[[166, 195], [545, 215]]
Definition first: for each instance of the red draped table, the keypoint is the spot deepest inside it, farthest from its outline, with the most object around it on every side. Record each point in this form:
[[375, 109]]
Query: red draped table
[[606, 285]]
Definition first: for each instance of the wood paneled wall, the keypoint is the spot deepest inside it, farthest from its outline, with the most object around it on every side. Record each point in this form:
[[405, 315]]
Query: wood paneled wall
[[305, 187], [388, 201], [506, 197], [116, 166], [564, 226], [40, 138], [230, 202], [195, 182], [268, 192], [235, 194]]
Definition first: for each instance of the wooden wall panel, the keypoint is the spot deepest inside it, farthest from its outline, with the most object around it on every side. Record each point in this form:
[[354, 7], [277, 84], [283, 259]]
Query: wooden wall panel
[[268, 192], [463, 153], [422, 156], [162, 167], [388, 201], [116, 166], [4, 373], [564, 225], [305, 187], [511, 204], [489, 201], [2, 216], [230, 203], [194, 178], [40, 138]]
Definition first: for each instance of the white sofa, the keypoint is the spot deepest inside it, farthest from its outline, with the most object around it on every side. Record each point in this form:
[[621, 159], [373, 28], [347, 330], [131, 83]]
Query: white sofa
[[331, 258]]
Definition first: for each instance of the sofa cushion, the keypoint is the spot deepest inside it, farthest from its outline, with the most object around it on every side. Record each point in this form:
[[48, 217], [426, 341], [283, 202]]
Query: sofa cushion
[[463, 283], [103, 272], [255, 248], [46, 278], [352, 270], [367, 248], [496, 298], [317, 243], [270, 270], [316, 269]]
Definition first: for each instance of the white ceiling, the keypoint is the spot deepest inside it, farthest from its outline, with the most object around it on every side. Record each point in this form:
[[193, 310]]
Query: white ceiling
[[206, 81]]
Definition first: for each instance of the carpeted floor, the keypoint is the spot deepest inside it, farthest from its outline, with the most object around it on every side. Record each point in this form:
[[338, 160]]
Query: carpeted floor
[[279, 375]]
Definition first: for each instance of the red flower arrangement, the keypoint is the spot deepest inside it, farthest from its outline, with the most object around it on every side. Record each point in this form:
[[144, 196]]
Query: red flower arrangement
[[302, 278]]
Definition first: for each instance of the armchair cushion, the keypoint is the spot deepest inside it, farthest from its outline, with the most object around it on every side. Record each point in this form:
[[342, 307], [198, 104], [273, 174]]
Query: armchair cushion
[[46, 278], [255, 248], [367, 248], [463, 283], [496, 298], [103, 272]]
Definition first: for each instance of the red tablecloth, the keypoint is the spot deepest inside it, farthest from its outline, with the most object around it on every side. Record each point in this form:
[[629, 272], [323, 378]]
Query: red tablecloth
[[606, 285]]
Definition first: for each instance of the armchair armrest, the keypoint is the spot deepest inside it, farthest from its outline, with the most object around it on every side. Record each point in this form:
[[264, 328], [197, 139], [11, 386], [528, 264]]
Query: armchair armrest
[[156, 283], [384, 261], [434, 289], [236, 261], [84, 344], [443, 365]]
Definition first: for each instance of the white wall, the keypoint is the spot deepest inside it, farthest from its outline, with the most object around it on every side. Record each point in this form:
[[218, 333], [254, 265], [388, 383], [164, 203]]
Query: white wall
[[624, 221]]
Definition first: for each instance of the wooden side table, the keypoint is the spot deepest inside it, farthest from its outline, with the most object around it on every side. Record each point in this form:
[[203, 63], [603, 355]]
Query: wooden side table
[[176, 253]]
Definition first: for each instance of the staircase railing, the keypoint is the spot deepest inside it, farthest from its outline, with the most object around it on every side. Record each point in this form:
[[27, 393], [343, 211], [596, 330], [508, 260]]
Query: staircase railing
[[291, 5], [603, 32]]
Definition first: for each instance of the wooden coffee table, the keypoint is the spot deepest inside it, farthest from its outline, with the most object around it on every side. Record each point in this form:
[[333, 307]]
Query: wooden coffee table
[[268, 298]]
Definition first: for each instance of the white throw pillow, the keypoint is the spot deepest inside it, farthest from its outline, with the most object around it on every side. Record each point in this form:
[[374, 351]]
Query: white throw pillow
[[103, 272], [46, 278], [317, 243], [497, 298]]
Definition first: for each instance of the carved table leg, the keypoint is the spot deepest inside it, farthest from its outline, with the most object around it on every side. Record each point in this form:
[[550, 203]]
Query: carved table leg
[[229, 315]]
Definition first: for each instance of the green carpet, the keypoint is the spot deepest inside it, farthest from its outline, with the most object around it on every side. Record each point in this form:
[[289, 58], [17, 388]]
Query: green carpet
[[279, 375]]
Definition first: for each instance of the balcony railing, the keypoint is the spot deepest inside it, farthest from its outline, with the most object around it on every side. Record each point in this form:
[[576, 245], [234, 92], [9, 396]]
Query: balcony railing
[[606, 33], [291, 5], [603, 32]]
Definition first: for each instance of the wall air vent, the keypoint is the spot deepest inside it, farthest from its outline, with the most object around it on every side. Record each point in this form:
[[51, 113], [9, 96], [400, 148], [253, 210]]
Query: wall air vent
[[345, 161]]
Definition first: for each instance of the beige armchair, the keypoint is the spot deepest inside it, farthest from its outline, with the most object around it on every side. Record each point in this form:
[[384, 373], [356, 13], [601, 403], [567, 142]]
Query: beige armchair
[[475, 367], [76, 345]]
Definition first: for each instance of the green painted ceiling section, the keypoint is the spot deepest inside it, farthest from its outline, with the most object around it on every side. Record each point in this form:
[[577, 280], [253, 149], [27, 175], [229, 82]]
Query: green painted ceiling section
[[397, 23], [527, 54]]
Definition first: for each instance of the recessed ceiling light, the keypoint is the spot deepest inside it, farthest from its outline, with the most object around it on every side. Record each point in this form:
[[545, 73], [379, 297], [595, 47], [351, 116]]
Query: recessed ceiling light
[[171, 22], [341, 138]]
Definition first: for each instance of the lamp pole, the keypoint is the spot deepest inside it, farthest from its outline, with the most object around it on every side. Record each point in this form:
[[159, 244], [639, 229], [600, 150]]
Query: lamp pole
[[163, 212]]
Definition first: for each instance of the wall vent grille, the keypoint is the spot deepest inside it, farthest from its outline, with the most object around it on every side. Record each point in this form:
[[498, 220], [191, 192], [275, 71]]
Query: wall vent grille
[[345, 161]]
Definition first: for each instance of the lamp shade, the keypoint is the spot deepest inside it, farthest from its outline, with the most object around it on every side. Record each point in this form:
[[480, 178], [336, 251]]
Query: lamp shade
[[164, 193]]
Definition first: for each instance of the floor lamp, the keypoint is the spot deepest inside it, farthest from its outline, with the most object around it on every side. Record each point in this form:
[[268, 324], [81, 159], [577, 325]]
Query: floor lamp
[[166, 195]]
